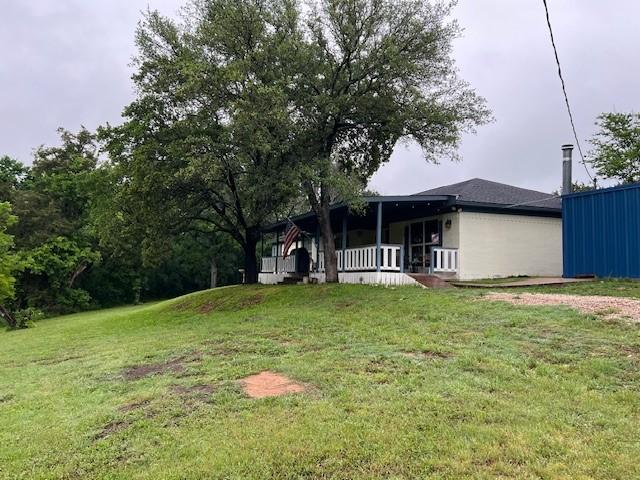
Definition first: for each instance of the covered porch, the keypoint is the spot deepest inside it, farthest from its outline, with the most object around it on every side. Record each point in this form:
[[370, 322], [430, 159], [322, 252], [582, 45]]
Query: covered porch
[[390, 236]]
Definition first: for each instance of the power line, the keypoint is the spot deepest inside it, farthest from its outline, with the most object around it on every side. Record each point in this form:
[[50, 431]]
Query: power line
[[564, 89]]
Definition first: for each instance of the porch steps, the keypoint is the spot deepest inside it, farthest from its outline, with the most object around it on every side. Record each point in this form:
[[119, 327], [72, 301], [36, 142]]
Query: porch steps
[[291, 280], [430, 281]]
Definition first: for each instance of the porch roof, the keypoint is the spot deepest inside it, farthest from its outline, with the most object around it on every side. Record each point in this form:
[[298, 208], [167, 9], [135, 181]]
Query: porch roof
[[397, 208]]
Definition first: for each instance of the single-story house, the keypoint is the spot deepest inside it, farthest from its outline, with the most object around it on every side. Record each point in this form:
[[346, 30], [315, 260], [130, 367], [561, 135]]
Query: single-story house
[[601, 230], [469, 230]]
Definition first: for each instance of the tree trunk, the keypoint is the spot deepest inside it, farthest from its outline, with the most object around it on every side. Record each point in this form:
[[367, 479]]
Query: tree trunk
[[214, 273], [328, 243], [4, 313], [250, 260]]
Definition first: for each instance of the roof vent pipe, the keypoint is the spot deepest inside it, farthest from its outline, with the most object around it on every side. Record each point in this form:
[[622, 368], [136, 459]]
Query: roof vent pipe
[[567, 185]]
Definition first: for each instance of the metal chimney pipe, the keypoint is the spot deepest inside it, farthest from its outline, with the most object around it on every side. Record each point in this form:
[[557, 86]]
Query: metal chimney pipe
[[567, 185]]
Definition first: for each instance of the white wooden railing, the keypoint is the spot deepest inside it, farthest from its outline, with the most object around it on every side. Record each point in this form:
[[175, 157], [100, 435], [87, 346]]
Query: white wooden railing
[[361, 259], [444, 259], [285, 265]]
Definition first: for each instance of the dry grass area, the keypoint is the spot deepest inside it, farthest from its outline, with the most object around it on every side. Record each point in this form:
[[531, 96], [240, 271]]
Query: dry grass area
[[606, 306]]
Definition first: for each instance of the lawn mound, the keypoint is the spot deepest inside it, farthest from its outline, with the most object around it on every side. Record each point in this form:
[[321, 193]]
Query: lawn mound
[[220, 300]]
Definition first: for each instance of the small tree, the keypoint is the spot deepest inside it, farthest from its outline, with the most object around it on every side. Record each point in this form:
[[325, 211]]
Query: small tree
[[616, 153]]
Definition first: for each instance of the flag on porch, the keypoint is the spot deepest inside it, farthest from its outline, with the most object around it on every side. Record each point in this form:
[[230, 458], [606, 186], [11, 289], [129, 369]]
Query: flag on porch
[[290, 236]]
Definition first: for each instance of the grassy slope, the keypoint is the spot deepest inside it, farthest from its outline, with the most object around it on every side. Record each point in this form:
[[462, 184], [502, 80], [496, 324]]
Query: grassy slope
[[516, 392]]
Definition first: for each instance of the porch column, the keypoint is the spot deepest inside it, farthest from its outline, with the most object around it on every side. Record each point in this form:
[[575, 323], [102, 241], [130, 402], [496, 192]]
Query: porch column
[[277, 248], [379, 237], [344, 241]]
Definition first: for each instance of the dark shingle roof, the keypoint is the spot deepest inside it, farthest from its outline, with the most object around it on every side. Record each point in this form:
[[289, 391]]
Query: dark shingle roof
[[482, 191]]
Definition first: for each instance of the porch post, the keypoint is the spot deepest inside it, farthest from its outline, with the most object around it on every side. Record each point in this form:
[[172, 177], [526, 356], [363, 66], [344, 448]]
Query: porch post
[[402, 258], [277, 248], [379, 237], [318, 247], [344, 241]]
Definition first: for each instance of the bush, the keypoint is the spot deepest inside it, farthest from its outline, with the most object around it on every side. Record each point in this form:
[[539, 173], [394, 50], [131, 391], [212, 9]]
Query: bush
[[27, 317]]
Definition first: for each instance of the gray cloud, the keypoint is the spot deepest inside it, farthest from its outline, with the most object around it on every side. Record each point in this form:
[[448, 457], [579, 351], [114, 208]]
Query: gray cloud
[[66, 63]]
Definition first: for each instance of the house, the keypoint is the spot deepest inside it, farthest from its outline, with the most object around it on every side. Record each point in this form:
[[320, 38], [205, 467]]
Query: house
[[469, 230], [601, 232]]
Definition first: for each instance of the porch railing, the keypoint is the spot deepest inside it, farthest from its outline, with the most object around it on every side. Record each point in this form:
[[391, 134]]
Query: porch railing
[[361, 259], [444, 260], [285, 265]]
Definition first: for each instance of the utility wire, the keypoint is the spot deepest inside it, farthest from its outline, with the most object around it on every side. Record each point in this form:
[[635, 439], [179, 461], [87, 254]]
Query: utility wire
[[564, 89]]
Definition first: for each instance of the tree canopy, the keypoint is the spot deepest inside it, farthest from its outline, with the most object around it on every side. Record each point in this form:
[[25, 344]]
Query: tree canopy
[[616, 153], [373, 73], [246, 104], [206, 145]]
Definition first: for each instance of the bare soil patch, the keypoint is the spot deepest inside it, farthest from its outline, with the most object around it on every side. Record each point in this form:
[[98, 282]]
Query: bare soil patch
[[130, 407], [57, 360], [608, 307], [269, 384], [6, 398], [426, 355], [112, 427], [193, 390], [175, 365]]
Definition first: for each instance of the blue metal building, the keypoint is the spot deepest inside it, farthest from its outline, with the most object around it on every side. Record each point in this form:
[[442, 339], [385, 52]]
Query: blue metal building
[[601, 232]]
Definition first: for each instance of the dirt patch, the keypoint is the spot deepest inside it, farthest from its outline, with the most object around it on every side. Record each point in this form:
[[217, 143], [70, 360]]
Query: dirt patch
[[269, 384], [345, 304], [111, 428], [426, 355], [6, 398], [57, 360], [607, 307], [130, 407], [175, 365], [193, 390]]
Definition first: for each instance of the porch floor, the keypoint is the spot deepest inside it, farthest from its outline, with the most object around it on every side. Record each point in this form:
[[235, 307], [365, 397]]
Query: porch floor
[[525, 282]]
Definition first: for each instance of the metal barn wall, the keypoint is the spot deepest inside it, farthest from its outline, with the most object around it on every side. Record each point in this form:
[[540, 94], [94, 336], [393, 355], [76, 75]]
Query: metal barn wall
[[601, 232]]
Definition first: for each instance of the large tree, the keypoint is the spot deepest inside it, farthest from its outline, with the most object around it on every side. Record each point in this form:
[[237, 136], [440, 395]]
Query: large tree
[[616, 153], [52, 200], [206, 145], [375, 72]]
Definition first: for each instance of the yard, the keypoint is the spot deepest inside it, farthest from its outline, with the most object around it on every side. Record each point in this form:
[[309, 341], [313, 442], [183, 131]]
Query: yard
[[398, 383]]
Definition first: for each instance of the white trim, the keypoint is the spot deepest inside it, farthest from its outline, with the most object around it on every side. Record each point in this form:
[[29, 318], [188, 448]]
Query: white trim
[[366, 278]]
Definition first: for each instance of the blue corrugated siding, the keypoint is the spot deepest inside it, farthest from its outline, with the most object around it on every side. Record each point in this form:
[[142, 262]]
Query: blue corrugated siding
[[601, 232]]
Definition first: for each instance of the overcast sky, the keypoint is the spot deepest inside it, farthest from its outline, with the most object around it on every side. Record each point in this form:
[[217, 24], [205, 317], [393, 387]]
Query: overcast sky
[[67, 63]]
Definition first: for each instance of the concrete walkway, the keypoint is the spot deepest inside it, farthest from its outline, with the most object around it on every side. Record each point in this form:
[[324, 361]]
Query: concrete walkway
[[525, 282]]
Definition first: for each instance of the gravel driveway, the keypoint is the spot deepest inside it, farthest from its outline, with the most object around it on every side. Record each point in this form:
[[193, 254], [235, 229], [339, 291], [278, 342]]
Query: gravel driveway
[[607, 307]]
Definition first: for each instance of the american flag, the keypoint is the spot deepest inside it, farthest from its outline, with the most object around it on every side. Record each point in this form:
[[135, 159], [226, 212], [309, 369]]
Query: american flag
[[290, 236]]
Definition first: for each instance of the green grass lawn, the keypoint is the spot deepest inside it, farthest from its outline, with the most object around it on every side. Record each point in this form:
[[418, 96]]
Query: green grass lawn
[[402, 383]]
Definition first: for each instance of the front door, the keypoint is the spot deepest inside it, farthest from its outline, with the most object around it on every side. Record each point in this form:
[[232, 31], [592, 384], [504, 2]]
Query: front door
[[423, 236]]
